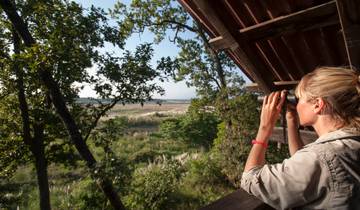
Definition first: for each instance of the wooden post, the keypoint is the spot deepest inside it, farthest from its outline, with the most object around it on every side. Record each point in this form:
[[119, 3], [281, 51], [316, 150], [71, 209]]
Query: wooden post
[[349, 15]]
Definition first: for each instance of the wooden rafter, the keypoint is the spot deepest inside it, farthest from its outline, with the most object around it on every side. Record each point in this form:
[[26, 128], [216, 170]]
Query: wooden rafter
[[279, 85], [349, 14], [314, 17], [325, 14], [221, 43], [254, 68]]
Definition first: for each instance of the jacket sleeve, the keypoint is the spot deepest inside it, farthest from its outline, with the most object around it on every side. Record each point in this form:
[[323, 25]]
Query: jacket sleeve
[[294, 182]]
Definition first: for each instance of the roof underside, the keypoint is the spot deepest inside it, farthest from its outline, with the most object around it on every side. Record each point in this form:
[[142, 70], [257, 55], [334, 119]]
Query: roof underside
[[276, 42]]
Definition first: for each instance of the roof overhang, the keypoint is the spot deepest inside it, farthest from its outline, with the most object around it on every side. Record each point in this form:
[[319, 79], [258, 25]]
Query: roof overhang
[[277, 42]]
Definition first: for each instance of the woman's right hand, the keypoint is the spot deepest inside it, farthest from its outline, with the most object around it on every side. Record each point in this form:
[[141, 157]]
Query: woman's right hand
[[270, 113]]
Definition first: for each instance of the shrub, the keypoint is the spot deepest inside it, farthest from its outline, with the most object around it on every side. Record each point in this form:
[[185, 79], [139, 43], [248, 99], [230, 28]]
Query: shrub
[[198, 127], [204, 182], [231, 152], [170, 128], [87, 195], [153, 187], [232, 146], [145, 154]]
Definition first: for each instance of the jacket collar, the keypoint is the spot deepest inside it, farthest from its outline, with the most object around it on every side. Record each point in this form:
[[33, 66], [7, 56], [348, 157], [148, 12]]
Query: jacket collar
[[343, 133]]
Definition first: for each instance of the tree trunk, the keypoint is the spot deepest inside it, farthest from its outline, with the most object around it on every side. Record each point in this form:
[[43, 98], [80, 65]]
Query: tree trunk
[[60, 105], [38, 151], [37, 143]]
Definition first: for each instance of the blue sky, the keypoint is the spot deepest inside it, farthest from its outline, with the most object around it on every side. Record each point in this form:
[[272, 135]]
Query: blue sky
[[173, 90]]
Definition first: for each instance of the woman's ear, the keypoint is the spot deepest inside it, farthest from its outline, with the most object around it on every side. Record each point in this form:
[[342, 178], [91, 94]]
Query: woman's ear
[[319, 106]]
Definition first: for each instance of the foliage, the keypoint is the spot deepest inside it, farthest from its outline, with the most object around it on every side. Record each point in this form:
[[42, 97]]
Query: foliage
[[170, 128], [69, 41], [110, 164], [275, 154], [80, 194], [152, 187], [204, 180], [86, 195], [197, 127], [207, 70], [13, 150], [232, 145]]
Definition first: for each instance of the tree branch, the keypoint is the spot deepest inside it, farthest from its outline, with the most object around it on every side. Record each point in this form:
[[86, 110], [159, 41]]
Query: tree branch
[[99, 115], [21, 92], [218, 66], [182, 25], [165, 22], [176, 35]]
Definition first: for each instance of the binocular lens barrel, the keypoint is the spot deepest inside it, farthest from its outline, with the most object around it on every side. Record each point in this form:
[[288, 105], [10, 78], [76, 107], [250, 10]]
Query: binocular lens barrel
[[290, 98]]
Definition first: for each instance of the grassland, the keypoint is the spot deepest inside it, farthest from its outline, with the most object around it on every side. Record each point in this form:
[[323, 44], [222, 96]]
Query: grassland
[[148, 109], [140, 145]]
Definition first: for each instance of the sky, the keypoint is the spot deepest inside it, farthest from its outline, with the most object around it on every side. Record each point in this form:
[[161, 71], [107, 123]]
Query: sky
[[178, 90]]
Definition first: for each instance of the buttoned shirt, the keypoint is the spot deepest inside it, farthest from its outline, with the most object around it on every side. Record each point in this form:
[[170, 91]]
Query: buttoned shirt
[[324, 174]]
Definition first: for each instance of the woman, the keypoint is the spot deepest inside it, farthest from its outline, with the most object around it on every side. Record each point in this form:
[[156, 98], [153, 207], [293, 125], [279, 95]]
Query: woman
[[324, 174]]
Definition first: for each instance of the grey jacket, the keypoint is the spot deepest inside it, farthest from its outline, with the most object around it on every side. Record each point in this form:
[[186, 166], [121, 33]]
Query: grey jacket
[[324, 174]]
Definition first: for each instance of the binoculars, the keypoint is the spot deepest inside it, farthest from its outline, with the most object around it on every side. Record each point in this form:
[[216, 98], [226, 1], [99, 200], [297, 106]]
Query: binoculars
[[290, 98]]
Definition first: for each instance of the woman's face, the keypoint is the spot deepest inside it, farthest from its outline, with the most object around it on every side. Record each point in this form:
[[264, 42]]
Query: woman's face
[[305, 111]]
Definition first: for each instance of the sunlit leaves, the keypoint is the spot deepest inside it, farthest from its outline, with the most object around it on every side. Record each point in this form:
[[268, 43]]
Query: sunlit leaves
[[196, 63], [129, 77], [157, 16], [68, 41]]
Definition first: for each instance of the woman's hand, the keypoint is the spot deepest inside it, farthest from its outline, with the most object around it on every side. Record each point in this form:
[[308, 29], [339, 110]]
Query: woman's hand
[[270, 113]]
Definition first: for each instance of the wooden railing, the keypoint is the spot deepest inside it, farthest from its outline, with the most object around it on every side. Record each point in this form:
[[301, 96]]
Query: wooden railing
[[238, 200]]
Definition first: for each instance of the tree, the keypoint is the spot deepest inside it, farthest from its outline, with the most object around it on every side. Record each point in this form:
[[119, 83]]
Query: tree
[[211, 72], [60, 42]]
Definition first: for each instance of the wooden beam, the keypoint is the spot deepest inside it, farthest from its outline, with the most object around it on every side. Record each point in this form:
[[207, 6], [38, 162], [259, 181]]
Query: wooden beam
[[237, 200], [188, 5], [279, 85], [306, 136], [221, 43], [349, 14], [311, 18], [253, 67]]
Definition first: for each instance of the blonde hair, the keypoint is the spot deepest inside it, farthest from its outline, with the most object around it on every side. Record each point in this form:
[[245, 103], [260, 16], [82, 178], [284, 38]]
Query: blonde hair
[[339, 87]]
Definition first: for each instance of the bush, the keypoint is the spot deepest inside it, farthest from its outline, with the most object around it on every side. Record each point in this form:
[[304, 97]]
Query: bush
[[170, 128], [204, 182], [87, 195], [231, 152], [145, 154], [232, 146], [198, 127], [153, 187]]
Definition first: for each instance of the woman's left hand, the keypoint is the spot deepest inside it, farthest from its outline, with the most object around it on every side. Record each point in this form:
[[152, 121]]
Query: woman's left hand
[[270, 113]]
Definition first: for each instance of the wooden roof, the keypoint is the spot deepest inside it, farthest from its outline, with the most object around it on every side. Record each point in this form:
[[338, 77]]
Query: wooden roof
[[276, 42]]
